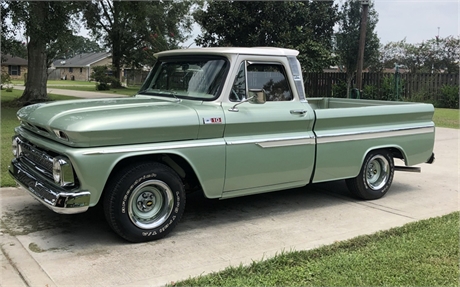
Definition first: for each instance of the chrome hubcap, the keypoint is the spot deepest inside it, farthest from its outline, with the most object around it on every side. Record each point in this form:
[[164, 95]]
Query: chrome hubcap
[[377, 172], [150, 204]]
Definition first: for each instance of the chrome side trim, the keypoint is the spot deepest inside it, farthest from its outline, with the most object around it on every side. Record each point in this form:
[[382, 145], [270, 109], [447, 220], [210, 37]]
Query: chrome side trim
[[283, 143], [331, 138], [156, 148], [276, 142]]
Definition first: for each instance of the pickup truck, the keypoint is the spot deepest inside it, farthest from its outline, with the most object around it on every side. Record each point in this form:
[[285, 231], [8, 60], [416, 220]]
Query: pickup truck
[[225, 121]]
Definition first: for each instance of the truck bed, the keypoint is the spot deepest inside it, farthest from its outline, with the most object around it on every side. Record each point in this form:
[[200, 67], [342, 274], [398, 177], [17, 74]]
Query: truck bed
[[337, 103], [346, 127]]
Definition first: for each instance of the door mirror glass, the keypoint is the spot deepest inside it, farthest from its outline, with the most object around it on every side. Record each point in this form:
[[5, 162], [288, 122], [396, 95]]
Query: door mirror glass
[[257, 96]]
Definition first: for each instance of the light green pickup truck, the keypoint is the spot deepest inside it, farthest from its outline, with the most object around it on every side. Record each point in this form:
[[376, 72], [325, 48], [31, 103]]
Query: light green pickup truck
[[225, 121]]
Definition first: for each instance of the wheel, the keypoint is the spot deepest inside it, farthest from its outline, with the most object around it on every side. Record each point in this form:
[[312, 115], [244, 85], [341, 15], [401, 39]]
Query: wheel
[[144, 202], [375, 177]]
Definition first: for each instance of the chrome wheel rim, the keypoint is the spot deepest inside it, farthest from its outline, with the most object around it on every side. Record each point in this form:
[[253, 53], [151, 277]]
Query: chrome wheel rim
[[377, 172], [150, 204]]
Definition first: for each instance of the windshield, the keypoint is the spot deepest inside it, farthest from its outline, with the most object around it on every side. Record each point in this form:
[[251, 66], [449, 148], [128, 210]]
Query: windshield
[[194, 77]]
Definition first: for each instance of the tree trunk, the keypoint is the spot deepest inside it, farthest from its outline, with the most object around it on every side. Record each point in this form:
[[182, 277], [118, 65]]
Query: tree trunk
[[37, 76], [349, 80], [116, 45]]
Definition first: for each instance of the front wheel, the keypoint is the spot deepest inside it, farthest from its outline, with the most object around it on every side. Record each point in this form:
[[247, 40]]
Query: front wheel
[[375, 177], [144, 202]]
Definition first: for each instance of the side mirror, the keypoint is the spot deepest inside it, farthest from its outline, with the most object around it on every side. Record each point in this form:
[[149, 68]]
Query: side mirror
[[257, 96]]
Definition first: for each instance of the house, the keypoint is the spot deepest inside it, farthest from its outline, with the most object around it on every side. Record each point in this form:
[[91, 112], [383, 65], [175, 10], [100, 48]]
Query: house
[[80, 67], [16, 67]]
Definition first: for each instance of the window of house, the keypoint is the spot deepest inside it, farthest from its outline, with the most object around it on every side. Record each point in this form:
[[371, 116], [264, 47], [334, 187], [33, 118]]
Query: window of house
[[70, 70], [14, 70], [270, 77], [81, 70]]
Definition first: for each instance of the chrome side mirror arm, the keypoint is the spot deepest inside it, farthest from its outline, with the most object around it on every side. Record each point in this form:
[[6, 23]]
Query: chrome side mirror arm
[[235, 109]]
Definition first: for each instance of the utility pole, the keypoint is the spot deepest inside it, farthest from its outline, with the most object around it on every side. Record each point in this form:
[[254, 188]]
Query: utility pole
[[362, 42]]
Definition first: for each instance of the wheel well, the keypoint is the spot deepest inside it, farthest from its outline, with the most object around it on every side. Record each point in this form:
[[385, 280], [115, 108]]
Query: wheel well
[[181, 166], [394, 152]]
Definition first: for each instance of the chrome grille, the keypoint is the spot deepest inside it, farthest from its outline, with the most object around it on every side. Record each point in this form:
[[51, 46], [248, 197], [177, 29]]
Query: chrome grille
[[36, 158]]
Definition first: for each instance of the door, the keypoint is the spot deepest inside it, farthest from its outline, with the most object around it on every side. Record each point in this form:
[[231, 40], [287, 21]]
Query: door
[[269, 146]]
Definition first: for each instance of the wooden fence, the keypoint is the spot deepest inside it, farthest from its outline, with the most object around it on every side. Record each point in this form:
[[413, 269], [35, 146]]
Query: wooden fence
[[334, 84]]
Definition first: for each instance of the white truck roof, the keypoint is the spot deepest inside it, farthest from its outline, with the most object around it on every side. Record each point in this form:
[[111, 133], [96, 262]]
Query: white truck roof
[[265, 51]]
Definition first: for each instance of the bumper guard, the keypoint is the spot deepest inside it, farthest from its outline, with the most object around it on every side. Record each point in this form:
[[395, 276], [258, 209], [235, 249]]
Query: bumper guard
[[57, 199]]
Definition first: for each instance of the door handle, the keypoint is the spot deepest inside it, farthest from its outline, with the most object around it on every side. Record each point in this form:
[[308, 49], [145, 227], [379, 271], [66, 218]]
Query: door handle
[[298, 112]]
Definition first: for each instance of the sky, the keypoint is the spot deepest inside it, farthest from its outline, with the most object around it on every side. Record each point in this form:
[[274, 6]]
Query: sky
[[415, 20]]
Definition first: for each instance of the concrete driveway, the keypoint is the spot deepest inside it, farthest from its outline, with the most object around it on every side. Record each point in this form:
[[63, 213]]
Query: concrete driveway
[[41, 248]]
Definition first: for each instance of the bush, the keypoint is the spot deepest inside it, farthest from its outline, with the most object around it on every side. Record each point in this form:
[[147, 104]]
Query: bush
[[6, 82], [102, 87], [100, 75], [339, 90], [370, 92], [422, 97], [386, 92], [448, 97]]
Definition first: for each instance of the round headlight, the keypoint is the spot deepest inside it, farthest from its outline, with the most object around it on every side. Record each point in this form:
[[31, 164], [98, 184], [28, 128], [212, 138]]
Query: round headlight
[[57, 170]]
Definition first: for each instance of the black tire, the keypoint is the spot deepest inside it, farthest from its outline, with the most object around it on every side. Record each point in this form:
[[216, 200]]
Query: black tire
[[375, 177], [144, 202]]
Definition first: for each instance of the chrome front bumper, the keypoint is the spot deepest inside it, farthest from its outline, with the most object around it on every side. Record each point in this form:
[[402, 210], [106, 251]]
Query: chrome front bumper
[[57, 199]]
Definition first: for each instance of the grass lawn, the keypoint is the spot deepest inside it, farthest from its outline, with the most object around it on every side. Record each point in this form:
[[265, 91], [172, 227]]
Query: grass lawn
[[423, 253], [84, 86], [129, 91], [59, 83], [447, 118]]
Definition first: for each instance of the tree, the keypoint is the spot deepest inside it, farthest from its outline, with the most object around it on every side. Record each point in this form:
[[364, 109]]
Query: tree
[[434, 55], [305, 25], [45, 24], [347, 39], [10, 45], [79, 45], [134, 30]]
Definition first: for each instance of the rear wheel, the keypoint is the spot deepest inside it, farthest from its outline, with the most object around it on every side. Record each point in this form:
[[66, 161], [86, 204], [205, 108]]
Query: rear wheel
[[375, 177], [144, 202]]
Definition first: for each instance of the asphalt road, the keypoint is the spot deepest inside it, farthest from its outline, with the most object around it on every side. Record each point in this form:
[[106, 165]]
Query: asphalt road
[[41, 248]]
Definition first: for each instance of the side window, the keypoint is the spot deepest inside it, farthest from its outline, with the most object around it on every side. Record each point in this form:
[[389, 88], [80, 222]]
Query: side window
[[238, 92], [271, 78]]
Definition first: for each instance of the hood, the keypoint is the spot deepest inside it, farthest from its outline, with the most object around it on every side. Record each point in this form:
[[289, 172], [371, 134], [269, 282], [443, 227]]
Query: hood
[[105, 122]]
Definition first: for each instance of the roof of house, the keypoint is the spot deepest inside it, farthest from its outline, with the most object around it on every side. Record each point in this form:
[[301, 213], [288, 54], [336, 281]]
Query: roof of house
[[82, 60], [13, 61]]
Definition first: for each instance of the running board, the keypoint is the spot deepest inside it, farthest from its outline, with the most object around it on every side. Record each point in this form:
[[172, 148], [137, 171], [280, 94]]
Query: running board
[[408, 168]]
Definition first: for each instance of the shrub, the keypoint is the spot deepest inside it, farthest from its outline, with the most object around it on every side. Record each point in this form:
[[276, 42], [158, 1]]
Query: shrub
[[370, 92], [422, 96], [100, 75], [102, 86], [448, 97], [6, 82], [339, 90]]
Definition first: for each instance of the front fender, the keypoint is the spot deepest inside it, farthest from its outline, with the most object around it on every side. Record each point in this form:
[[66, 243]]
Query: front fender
[[206, 157]]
